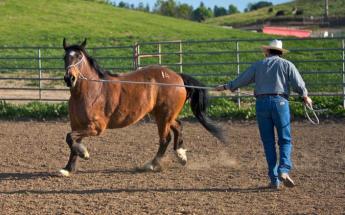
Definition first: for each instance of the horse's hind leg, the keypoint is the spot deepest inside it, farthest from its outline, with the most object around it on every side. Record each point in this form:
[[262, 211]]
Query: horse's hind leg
[[176, 127], [164, 140]]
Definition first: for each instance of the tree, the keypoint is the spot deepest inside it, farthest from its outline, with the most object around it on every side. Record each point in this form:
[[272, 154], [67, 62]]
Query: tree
[[219, 11], [142, 7], [166, 8], [147, 8], [201, 13], [258, 5], [233, 9], [123, 4], [184, 11]]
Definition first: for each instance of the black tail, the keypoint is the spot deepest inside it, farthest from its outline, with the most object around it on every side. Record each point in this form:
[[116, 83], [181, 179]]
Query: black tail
[[198, 101]]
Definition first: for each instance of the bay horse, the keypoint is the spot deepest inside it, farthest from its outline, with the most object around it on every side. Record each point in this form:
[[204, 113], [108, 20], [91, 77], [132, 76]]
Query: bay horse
[[100, 100]]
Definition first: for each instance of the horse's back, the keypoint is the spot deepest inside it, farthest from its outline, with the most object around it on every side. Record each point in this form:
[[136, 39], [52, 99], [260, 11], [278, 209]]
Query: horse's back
[[157, 73], [167, 82]]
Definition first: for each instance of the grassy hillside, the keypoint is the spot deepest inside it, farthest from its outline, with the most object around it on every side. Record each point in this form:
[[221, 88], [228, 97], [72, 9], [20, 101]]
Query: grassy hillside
[[46, 22], [309, 7]]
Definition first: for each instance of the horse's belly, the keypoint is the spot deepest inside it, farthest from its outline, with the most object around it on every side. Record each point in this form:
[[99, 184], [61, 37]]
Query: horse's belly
[[120, 120]]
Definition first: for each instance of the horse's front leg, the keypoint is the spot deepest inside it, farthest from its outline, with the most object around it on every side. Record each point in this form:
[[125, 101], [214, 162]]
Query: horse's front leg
[[73, 140]]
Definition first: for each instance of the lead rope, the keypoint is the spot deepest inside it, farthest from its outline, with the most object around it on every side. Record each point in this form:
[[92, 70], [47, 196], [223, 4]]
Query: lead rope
[[311, 109]]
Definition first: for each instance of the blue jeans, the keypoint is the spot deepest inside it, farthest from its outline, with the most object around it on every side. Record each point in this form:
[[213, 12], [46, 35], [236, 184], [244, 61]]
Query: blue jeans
[[274, 111]]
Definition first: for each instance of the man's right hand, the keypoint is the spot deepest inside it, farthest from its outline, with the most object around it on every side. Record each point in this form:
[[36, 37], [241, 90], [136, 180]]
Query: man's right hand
[[308, 101]]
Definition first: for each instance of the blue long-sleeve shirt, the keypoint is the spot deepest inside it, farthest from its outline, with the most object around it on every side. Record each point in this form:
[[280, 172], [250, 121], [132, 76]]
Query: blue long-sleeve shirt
[[273, 75]]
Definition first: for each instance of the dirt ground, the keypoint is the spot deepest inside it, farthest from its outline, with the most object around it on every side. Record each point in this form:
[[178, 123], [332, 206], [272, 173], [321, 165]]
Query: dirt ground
[[218, 179]]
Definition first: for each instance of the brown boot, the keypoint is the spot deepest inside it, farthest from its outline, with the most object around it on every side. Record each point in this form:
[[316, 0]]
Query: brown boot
[[273, 186]]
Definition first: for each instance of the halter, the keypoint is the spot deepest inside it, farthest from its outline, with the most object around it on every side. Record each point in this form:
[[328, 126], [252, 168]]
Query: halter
[[76, 65]]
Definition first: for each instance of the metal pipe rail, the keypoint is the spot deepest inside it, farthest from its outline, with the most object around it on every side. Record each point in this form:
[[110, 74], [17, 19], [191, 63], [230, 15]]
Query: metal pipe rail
[[193, 57]]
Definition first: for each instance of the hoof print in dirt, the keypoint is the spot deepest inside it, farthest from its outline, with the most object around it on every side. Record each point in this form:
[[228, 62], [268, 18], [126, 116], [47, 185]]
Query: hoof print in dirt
[[149, 167]]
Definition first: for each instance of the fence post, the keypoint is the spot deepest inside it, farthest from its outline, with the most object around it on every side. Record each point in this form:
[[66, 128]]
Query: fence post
[[135, 56], [39, 74], [138, 54], [181, 58], [238, 72], [343, 56], [159, 53]]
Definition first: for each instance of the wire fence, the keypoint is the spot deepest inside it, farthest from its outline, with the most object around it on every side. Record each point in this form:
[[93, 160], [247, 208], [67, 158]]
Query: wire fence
[[36, 73]]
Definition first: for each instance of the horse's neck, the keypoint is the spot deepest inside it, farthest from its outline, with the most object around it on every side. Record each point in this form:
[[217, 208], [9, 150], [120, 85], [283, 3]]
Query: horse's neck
[[89, 73], [88, 85]]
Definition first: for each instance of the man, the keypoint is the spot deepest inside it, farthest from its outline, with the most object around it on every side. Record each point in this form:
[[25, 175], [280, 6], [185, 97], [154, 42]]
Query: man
[[273, 77]]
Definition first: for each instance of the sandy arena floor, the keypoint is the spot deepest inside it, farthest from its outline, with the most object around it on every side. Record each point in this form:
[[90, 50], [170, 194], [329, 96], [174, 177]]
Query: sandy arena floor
[[218, 179]]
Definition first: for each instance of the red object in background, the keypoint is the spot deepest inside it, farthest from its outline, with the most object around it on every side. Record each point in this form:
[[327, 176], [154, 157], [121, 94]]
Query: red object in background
[[284, 31]]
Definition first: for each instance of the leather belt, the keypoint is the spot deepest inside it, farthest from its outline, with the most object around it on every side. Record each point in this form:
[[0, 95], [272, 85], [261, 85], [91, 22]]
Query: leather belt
[[273, 94]]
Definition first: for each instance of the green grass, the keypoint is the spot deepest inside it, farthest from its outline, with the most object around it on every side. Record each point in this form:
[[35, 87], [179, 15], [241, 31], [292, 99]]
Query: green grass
[[219, 108], [310, 7], [46, 22], [33, 110]]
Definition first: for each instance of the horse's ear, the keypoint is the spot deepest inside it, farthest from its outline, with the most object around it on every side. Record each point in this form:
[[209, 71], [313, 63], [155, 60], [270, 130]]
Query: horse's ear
[[64, 43], [83, 44]]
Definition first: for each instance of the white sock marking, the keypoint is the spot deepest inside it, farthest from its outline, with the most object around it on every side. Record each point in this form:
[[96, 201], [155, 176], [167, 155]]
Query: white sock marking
[[181, 154], [64, 172]]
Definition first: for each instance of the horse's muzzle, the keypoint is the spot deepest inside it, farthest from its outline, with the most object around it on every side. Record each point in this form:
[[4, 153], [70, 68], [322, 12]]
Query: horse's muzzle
[[69, 80]]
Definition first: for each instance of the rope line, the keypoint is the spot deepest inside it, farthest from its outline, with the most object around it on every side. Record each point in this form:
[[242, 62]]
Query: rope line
[[310, 108], [148, 83], [81, 76]]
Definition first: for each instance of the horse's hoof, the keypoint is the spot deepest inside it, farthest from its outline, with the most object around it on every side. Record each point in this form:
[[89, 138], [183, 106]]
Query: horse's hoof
[[64, 173], [182, 156]]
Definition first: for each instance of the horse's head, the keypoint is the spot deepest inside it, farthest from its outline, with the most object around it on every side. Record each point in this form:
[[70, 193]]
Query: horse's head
[[74, 59]]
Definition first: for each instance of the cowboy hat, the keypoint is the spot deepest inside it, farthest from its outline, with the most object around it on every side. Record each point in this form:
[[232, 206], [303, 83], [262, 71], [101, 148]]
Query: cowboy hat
[[276, 45]]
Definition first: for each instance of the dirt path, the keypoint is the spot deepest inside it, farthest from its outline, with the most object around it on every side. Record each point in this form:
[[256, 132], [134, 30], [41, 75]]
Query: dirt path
[[217, 180]]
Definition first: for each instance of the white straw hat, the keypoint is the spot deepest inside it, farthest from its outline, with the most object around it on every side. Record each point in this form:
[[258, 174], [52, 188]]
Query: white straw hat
[[276, 45]]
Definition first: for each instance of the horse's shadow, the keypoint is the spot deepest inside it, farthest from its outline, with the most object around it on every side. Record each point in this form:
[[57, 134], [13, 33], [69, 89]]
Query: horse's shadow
[[24, 176], [141, 190], [36, 175], [47, 175]]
